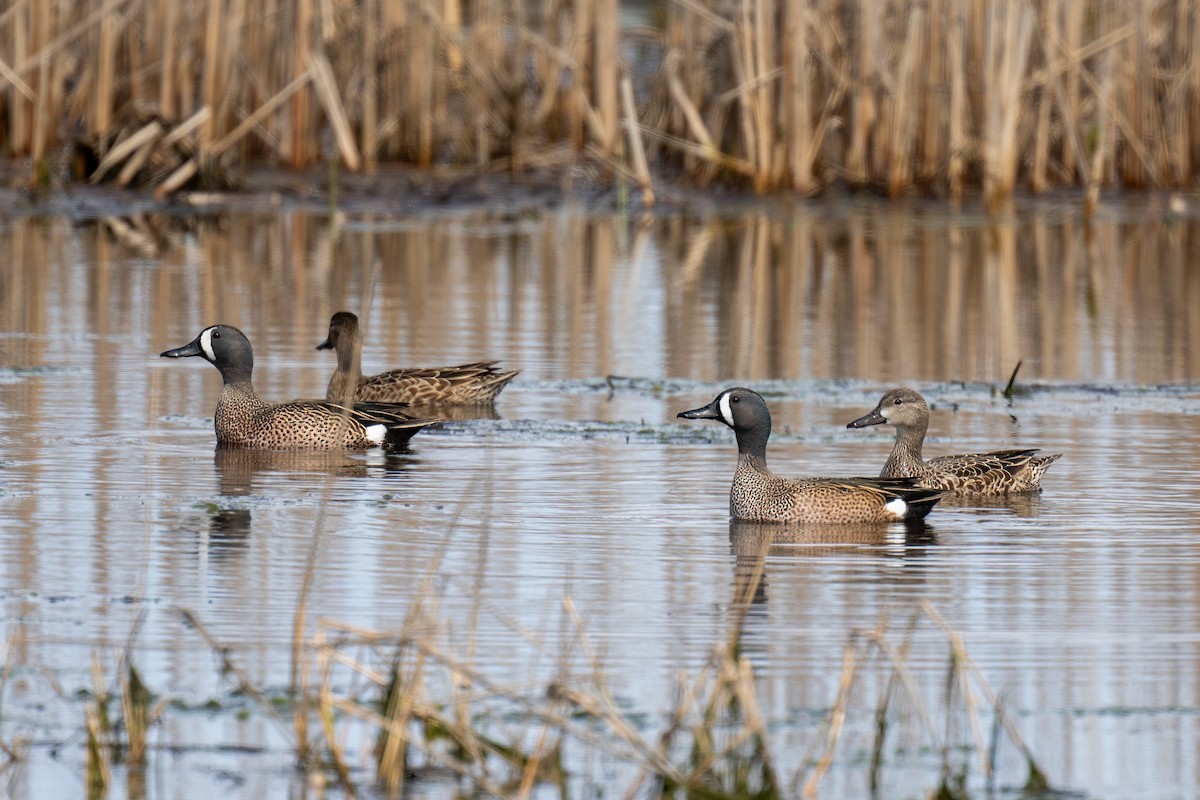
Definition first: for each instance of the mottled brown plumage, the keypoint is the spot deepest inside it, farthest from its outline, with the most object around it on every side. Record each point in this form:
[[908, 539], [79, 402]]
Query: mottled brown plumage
[[465, 384], [995, 473], [243, 418], [759, 495]]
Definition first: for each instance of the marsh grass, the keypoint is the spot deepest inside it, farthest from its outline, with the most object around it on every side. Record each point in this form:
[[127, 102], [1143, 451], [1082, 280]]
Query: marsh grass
[[417, 697], [117, 722], [938, 96], [407, 705]]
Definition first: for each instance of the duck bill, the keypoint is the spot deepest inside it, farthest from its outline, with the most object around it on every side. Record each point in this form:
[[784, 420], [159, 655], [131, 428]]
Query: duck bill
[[710, 411], [872, 418], [326, 345], [192, 348]]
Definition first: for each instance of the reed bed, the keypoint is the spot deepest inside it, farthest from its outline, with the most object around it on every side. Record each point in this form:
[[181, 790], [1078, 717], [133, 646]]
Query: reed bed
[[937, 95]]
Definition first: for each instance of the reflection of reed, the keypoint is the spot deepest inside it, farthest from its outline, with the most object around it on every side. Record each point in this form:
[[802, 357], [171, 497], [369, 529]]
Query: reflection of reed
[[873, 293]]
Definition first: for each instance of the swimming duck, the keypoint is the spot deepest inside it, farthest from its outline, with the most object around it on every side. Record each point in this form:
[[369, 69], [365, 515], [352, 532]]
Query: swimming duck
[[243, 418], [478, 382], [759, 495], [995, 473]]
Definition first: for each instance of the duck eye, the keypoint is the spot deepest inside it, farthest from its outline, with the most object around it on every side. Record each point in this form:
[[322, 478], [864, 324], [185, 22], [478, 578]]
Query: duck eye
[[897, 401]]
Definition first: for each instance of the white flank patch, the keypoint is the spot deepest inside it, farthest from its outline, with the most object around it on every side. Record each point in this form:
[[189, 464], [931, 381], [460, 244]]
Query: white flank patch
[[897, 507], [206, 344], [376, 433], [726, 411]]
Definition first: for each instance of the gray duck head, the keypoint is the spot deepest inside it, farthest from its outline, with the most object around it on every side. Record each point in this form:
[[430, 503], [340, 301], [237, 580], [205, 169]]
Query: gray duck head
[[223, 346], [745, 411]]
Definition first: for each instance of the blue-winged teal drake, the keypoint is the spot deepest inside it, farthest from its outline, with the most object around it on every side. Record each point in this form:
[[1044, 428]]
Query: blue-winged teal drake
[[242, 418], [995, 473], [759, 495], [464, 384]]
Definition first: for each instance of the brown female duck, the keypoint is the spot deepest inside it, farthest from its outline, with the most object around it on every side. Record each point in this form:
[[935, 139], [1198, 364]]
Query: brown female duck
[[465, 384], [995, 473]]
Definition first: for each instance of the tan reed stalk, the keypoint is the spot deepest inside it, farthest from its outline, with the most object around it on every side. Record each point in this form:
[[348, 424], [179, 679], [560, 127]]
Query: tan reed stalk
[[370, 90], [105, 66], [486, 58], [905, 108], [930, 142], [1103, 133], [864, 110], [1190, 138], [837, 717], [147, 134], [327, 712], [419, 89], [1135, 89], [168, 15], [136, 712], [765, 74], [44, 86], [1174, 142], [795, 87], [1070, 15], [18, 101], [132, 56], [136, 161], [1010, 32], [99, 735], [301, 146], [327, 93], [637, 151], [605, 61], [208, 83], [882, 707], [968, 664], [743, 66], [958, 103]]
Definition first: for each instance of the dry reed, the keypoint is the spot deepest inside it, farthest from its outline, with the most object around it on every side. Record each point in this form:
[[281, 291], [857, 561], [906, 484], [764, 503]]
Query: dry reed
[[896, 95]]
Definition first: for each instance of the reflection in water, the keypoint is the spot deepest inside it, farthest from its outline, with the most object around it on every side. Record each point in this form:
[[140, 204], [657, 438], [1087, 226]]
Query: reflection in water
[[885, 294], [237, 467], [754, 544], [241, 472], [1025, 505], [229, 530]]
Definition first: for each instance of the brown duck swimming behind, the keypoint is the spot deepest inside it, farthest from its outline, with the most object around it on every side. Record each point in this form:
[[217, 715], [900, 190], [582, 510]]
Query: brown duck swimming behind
[[475, 383], [759, 495], [995, 473]]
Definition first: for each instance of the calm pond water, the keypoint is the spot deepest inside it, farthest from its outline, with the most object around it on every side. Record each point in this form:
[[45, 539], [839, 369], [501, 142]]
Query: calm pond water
[[1080, 607]]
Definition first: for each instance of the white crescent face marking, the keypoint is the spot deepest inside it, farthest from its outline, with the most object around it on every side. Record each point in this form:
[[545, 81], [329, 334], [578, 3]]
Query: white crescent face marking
[[726, 411], [206, 344], [897, 507], [375, 433]]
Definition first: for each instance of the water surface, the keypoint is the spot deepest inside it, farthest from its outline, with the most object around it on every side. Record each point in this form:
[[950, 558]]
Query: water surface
[[1079, 606]]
